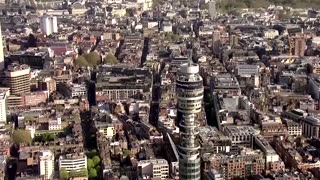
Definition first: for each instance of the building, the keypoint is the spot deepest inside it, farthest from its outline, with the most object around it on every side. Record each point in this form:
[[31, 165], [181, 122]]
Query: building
[[247, 69], [225, 84], [216, 41], [153, 168], [54, 124], [189, 88], [122, 83], [212, 9], [73, 162], [46, 164], [18, 78], [1, 51], [247, 163], [3, 108], [294, 128], [213, 141], [240, 135], [299, 45], [49, 24], [311, 127], [107, 125]]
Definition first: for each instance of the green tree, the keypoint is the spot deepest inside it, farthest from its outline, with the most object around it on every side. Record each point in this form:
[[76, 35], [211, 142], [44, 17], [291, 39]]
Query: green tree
[[93, 173], [92, 153], [63, 174], [81, 62], [127, 152], [21, 136], [110, 59], [96, 160], [98, 168], [90, 163], [93, 58], [28, 118], [47, 137], [59, 107]]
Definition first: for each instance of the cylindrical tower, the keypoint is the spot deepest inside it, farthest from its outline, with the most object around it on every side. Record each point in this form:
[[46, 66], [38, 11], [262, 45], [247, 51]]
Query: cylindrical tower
[[190, 94]]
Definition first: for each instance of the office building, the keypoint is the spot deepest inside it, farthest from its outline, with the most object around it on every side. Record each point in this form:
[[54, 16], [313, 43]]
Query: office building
[[1, 51], [3, 108], [189, 88], [240, 135], [73, 162], [153, 168], [49, 24], [18, 78], [46, 164], [311, 126]]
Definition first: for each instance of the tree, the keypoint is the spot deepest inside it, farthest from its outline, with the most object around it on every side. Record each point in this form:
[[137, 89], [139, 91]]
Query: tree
[[63, 174], [93, 173], [93, 58], [90, 163], [92, 153], [127, 152], [28, 118], [47, 137], [96, 160], [98, 168], [81, 62], [21, 136], [32, 41], [110, 59]]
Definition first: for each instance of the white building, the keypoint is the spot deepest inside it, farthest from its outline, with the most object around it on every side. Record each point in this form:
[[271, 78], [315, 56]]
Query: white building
[[55, 124], [46, 164], [49, 24], [78, 90], [153, 168], [73, 162], [1, 51], [271, 33], [3, 108]]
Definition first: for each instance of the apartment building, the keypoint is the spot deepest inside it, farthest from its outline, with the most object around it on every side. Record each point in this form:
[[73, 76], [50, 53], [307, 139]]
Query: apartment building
[[46, 164], [3, 108], [153, 168], [73, 162]]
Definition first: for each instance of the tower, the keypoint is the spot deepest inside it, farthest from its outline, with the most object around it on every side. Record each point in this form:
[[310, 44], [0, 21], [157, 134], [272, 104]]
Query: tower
[[18, 77], [189, 88], [49, 24], [212, 9], [1, 51]]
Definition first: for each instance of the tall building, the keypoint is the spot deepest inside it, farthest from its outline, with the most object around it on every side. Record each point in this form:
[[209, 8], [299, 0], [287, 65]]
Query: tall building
[[216, 42], [49, 24], [299, 45], [46, 164], [189, 88], [3, 108], [1, 51], [18, 78], [212, 9]]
